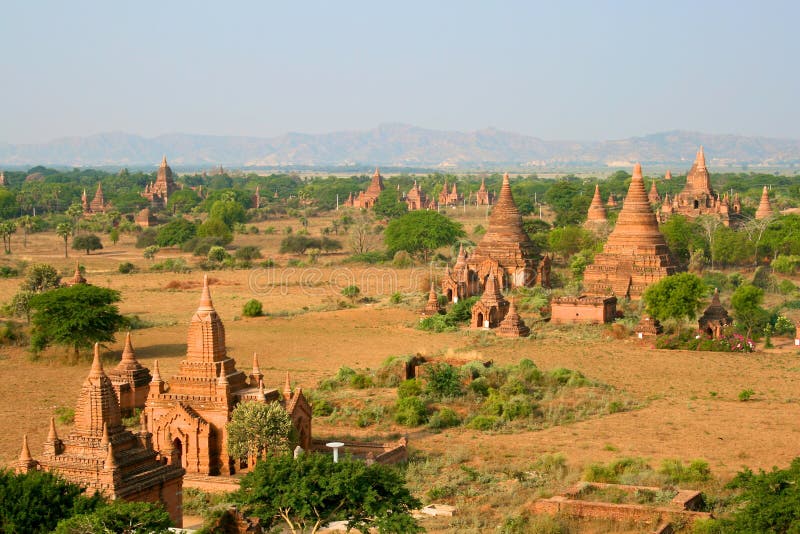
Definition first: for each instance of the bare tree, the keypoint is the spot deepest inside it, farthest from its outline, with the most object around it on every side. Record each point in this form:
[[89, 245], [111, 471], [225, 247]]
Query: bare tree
[[709, 224], [362, 236]]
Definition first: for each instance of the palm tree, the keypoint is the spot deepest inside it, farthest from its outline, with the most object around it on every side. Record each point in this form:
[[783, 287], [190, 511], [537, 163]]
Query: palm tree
[[26, 223], [64, 231]]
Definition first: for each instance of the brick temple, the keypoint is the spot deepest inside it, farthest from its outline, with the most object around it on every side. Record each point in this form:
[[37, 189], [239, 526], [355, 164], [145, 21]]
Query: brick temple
[[189, 414], [416, 199], [764, 210], [158, 192], [597, 217], [366, 199], [101, 454], [635, 255], [699, 198], [98, 203]]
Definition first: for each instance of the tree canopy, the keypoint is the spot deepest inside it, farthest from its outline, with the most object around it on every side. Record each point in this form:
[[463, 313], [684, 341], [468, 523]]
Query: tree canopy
[[256, 428], [312, 490], [675, 297], [87, 242], [76, 316], [388, 206], [421, 232], [747, 311], [175, 232], [119, 516]]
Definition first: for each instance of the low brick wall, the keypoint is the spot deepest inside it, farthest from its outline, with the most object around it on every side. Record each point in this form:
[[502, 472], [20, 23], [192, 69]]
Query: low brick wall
[[385, 453]]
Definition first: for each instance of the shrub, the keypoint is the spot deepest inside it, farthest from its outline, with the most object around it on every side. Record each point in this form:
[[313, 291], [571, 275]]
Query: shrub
[[351, 292], [8, 272], [173, 265], [146, 239], [65, 416], [175, 232], [444, 418], [126, 267], [697, 471], [409, 388], [612, 473], [483, 422], [410, 411], [786, 264], [402, 259], [321, 408], [746, 394], [218, 254], [253, 308], [150, 252], [370, 415], [442, 381], [361, 381], [396, 298], [371, 257], [248, 253]]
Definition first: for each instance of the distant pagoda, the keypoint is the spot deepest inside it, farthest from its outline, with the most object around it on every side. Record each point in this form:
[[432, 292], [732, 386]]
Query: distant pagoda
[[596, 218], [158, 193], [636, 254], [764, 210], [366, 199]]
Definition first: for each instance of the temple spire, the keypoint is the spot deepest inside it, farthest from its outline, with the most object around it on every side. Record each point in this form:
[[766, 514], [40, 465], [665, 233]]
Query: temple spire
[[597, 211], [700, 161], [52, 435], [127, 352], [156, 374], [25, 453], [205, 297], [287, 388], [104, 440], [97, 365], [164, 161], [764, 210]]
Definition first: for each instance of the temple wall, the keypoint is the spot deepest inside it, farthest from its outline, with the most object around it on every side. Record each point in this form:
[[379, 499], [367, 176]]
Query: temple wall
[[568, 313]]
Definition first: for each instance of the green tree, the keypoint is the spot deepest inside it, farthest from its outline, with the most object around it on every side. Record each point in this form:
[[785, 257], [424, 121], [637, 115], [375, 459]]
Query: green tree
[[119, 516], [312, 491], [256, 429], [183, 201], [218, 254], [228, 211], [389, 206], [74, 212], [64, 231], [75, 316], [682, 237], [176, 232], [113, 235], [27, 224], [351, 292], [767, 502], [747, 311], [150, 252], [8, 204], [35, 502], [87, 242], [421, 232], [41, 277], [216, 228], [567, 240], [253, 308], [675, 297]]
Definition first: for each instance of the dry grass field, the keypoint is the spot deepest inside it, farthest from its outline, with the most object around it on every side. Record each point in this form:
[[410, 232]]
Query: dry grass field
[[690, 407]]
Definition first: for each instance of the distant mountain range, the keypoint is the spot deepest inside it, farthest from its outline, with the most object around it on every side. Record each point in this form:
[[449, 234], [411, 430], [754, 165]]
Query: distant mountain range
[[400, 145]]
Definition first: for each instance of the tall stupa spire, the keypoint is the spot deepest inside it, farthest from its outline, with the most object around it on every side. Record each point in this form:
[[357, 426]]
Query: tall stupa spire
[[597, 211], [764, 210]]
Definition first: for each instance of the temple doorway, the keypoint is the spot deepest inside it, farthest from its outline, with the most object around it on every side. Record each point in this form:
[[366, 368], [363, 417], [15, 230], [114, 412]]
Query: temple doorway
[[178, 447], [480, 320]]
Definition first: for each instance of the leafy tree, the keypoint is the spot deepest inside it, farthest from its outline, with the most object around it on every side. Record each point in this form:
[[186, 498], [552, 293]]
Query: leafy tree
[[747, 311], [119, 516], [568, 240], [421, 232], [388, 205], [256, 428], [312, 491], [767, 502], [248, 253], [113, 235], [216, 228], [64, 231], [176, 232], [228, 211], [442, 381], [8, 204], [27, 224], [675, 297], [682, 237], [76, 316], [218, 254], [87, 242], [150, 252], [253, 308], [35, 502], [41, 277], [183, 201]]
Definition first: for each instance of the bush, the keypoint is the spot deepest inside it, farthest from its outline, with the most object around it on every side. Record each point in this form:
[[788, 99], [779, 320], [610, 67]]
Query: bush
[[411, 411], [218, 254], [483, 422], [146, 239], [321, 408], [442, 381], [126, 267], [172, 265], [351, 292], [371, 257], [696, 472], [87, 242], [396, 298], [65, 416], [409, 388], [248, 253], [746, 394], [175, 232], [444, 418], [361, 381], [253, 308], [8, 272], [402, 259], [786, 264]]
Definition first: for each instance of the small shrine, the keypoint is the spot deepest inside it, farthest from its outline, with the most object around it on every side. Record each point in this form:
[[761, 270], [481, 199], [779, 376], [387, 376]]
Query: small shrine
[[513, 325], [647, 326], [715, 318], [432, 307], [492, 307]]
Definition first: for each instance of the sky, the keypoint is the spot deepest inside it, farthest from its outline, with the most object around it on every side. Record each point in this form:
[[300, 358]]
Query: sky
[[563, 70]]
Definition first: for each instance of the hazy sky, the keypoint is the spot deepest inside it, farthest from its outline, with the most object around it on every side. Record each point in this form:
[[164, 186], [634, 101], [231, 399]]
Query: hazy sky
[[557, 70]]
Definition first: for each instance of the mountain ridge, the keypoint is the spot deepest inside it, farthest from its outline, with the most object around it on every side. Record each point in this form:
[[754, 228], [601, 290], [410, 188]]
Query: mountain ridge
[[401, 145]]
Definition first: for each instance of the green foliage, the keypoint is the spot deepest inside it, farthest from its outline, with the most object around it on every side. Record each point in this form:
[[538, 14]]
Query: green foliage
[[442, 381], [182, 201], [218, 254], [370, 257], [444, 418], [409, 388], [65, 415], [172, 265], [786, 264], [300, 244], [119, 516], [568, 240], [675, 297], [229, 212], [410, 411], [615, 471], [175, 233], [313, 490], [747, 311], [256, 428], [76, 316], [253, 308], [248, 253], [421, 232], [150, 252], [216, 228], [146, 238], [41, 277], [87, 242], [483, 422], [767, 502], [35, 502], [569, 199], [388, 205], [746, 394], [682, 236], [461, 312], [351, 292], [126, 267]]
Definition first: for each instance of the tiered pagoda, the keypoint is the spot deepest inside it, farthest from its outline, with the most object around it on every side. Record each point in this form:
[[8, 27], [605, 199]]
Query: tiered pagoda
[[131, 380], [190, 414], [715, 318], [597, 218], [764, 210], [450, 196], [432, 307], [158, 193], [698, 198], [97, 204], [513, 325], [492, 307], [101, 454], [635, 255], [483, 197], [366, 199]]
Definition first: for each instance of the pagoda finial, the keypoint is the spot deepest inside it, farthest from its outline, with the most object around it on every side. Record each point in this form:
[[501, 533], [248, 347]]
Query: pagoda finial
[[97, 365], [505, 178], [261, 395], [287, 388], [110, 462], [205, 297], [164, 161], [25, 453], [637, 171], [701, 158], [156, 374], [222, 379], [127, 352], [256, 368], [52, 435]]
